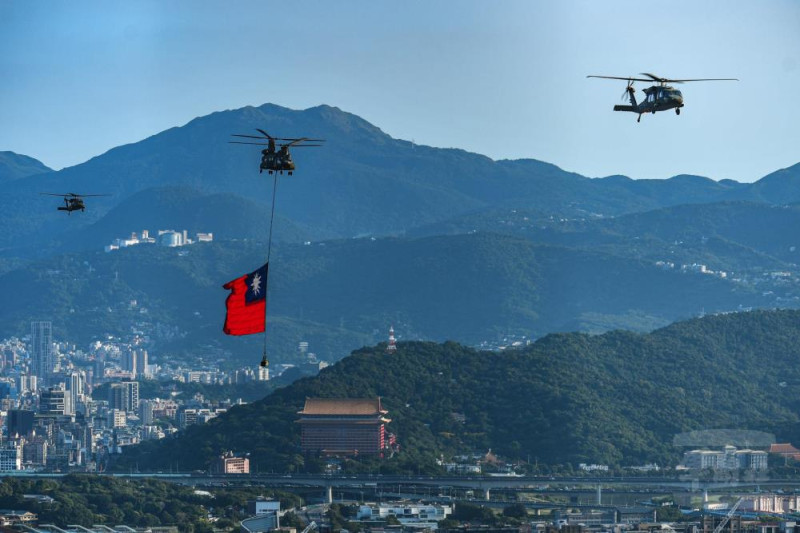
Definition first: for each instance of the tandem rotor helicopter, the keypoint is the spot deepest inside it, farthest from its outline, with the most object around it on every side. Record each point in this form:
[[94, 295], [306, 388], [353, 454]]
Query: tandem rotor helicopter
[[72, 201], [659, 97], [272, 159]]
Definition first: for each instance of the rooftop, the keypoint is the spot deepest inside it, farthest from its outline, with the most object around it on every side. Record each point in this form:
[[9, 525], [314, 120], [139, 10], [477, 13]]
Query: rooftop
[[343, 406]]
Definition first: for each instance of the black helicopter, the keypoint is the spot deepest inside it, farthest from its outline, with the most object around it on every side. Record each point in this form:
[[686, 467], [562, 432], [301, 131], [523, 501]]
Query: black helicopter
[[276, 158], [72, 201], [659, 97]]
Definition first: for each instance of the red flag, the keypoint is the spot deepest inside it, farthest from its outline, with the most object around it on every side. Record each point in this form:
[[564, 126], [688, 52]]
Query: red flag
[[246, 304]]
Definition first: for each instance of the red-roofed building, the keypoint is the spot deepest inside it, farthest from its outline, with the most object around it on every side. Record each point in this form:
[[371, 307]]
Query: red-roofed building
[[785, 450], [343, 426]]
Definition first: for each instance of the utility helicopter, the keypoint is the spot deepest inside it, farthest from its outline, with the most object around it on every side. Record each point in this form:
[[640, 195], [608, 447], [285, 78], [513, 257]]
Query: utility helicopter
[[659, 97], [276, 158], [72, 201]]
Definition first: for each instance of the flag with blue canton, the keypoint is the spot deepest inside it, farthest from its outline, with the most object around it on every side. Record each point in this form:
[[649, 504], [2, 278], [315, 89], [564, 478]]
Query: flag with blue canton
[[247, 303], [256, 285]]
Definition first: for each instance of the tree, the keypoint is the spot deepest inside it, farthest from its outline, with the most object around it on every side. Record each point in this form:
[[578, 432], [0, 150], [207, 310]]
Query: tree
[[516, 510]]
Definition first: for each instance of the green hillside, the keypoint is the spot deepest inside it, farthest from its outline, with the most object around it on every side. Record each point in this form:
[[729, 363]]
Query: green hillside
[[340, 295], [730, 236], [617, 398]]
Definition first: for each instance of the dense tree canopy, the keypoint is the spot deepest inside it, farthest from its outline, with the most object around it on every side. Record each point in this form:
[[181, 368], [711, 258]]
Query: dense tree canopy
[[618, 398]]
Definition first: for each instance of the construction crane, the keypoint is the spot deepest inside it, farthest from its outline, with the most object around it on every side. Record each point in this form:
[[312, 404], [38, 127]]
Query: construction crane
[[725, 520]]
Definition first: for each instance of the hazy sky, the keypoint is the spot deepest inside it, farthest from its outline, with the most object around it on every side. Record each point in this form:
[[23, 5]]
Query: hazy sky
[[506, 79]]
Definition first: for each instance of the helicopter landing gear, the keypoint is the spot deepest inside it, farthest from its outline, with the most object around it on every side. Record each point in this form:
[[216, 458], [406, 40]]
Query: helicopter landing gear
[[677, 110], [270, 172], [290, 172], [639, 119]]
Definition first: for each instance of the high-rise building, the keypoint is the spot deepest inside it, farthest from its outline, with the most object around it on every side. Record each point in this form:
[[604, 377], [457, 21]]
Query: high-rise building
[[141, 363], [43, 361], [133, 395], [124, 396], [128, 362], [20, 422], [10, 456], [52, 401], [146, 408], [75, 390], [35, 451]]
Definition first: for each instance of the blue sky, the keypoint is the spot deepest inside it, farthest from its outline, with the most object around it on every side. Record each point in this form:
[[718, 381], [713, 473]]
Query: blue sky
[[506, 79]]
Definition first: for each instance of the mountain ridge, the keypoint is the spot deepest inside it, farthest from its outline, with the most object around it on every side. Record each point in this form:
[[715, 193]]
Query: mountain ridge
[[14, 166], [362, 181]]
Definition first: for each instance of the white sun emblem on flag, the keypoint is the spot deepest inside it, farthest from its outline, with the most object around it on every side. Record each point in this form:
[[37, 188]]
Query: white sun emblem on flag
[[255, 285]]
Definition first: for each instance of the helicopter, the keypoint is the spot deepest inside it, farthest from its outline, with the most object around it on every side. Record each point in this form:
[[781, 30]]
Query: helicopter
[[276, 158], [72, 201], [659, 97]]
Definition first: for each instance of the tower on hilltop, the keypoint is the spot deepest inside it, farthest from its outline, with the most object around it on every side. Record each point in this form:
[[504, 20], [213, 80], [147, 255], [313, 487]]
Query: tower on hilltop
[[392, 346]]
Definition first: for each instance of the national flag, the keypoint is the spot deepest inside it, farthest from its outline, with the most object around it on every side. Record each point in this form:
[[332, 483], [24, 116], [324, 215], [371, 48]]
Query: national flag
[[246, 304]]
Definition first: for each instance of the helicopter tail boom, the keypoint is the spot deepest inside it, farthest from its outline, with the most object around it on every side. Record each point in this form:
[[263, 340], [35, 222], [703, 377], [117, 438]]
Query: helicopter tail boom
[[624, 108]]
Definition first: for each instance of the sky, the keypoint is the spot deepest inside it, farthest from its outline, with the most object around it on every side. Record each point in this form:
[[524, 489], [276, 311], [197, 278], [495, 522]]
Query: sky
[[506, 79]]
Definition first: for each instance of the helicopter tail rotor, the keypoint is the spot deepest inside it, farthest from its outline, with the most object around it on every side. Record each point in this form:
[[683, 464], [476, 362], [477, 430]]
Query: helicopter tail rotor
[[629, 90]]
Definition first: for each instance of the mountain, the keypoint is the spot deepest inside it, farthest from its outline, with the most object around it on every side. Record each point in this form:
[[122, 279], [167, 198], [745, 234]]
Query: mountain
[[340, 294], [15, 166], [780, 187], [730, 236], [619, 398], [362, 182]]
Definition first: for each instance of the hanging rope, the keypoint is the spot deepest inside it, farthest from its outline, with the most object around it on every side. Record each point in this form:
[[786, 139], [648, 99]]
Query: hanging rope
[[264, 361]]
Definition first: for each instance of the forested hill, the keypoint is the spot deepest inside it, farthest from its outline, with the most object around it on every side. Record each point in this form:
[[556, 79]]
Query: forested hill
[[617, 398], [341, 295]]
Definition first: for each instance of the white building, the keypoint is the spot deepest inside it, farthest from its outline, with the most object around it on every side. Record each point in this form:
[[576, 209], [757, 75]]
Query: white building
[[406, 513], [170, 238], [10, 456], [770, 503], [727, 459]]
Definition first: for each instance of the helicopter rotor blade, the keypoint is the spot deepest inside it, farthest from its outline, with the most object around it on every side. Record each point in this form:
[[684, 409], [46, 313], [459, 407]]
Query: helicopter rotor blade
[[242, 142], [248, 136], [296, 141], [87, 195], [703, 79], [654, 77], [54, 194], [669, 80], [628, 78]]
